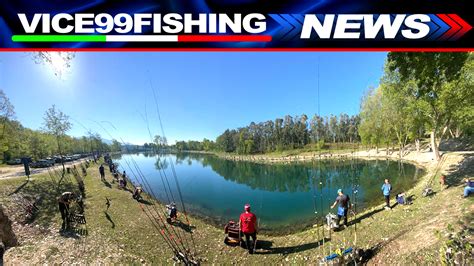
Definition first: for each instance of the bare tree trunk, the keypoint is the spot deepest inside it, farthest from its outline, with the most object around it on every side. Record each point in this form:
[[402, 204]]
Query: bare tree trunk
[[417, 145], [434, 146], [457, 133]]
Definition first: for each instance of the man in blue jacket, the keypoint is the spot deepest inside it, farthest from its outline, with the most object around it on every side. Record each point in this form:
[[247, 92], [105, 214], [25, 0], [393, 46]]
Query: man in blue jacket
[[386, 188]]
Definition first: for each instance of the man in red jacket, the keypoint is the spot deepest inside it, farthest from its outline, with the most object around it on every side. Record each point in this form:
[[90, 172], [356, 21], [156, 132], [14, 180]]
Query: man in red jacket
[[248, 226]]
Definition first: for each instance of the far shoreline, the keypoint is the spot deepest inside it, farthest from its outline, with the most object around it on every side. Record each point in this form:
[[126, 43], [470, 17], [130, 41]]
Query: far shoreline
[[422, 159]]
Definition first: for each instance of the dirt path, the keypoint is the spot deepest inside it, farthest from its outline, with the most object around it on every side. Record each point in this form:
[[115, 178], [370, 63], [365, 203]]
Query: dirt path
[[13, 171]]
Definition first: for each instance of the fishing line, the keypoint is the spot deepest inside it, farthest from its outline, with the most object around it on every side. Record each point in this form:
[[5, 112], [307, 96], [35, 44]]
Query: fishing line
[[144, 181], [160, 218], [172, 164], [147, 186], [159, 170]]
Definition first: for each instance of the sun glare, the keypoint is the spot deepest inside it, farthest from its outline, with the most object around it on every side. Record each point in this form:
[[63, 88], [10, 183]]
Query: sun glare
[[59, 62]]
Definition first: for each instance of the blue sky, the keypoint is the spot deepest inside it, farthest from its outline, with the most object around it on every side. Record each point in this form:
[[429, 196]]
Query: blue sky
[[199, 94]]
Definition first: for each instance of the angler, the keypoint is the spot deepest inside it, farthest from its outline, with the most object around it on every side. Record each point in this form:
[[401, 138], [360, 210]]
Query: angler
[[102, 172], [386, 189], [343, 208], [172, 213], [64, 202], [248, 226]]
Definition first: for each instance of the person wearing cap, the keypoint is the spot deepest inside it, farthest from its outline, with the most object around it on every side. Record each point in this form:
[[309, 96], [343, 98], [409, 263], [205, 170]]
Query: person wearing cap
[[248, 226], [63, 202], [343, 208]]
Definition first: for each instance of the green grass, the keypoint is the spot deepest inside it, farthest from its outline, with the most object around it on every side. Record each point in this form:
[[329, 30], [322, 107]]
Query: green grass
[[125, 235]]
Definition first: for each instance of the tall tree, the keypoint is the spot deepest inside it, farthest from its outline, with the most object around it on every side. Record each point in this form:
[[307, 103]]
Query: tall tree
[[437, 78], [399, 108], [372, 125], [57, 124], [7, 112]]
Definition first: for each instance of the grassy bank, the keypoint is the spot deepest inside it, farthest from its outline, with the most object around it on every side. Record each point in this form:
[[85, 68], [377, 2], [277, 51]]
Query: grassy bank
[[124, 234]]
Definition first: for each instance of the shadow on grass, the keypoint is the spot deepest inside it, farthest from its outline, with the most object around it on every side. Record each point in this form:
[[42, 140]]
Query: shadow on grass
[[186, 227], [461, 171], [20, 187], [75, 233], [364, 216], [266, 247], [146, 202], [106, 183], [109, 219], [127, 189]]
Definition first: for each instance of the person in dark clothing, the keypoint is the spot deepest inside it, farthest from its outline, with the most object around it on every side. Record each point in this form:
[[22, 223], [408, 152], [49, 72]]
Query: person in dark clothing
[[343, 208], [248, 226], [124, 179], [102, 172], [172, 212], [116, 175], [137, 194], [63, 202]]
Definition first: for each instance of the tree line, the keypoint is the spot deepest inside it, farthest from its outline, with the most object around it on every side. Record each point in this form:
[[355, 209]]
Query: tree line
[[17, 141], [281, 134], [420, 95]]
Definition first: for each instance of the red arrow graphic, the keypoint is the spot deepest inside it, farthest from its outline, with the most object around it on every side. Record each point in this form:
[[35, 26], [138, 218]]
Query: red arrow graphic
[[465, 27], [454, 26]]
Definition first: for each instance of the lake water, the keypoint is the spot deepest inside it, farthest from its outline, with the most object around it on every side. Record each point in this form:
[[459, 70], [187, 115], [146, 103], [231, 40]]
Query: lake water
[[285, 197]]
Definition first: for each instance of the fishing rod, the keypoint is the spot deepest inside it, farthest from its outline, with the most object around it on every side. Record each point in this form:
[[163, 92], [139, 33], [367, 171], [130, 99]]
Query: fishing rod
[[155, 219], [312, 183], [356, 192], [144, 180], [137, 168], [172, 164], [158, 216], [156, 151], [319, 164], [148, 187]]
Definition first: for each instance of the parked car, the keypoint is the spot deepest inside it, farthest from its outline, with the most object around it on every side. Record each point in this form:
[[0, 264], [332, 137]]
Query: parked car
[[51, 160], [57, 159], [14, 162], [41, 164]]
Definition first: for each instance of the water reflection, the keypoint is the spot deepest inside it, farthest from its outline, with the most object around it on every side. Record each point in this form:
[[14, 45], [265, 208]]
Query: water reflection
[[284, 195]]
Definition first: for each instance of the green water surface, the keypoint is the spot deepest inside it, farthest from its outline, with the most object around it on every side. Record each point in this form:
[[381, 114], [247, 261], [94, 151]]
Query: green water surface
[[285, 197]]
